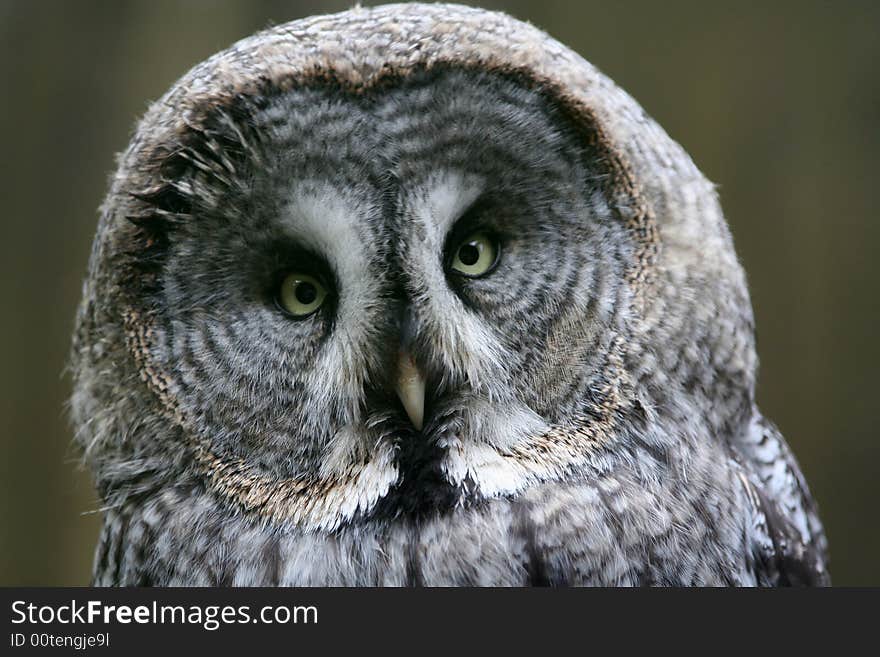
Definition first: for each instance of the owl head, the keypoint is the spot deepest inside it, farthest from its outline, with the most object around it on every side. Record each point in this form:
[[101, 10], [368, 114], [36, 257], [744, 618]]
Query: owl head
[[394, 261]]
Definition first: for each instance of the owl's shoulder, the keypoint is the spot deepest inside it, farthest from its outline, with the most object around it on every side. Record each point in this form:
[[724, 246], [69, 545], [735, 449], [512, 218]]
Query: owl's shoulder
[[788, 538]]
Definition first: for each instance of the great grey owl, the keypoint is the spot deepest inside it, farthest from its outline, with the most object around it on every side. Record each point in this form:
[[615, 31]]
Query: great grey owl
[[414, 295]]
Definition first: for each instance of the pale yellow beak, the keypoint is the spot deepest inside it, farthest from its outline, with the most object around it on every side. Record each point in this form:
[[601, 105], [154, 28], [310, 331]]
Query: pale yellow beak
[[411, 389]]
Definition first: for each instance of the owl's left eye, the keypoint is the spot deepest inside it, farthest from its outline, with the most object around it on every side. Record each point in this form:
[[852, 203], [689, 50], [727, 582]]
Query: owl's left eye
[[476, 255], [300, 295]]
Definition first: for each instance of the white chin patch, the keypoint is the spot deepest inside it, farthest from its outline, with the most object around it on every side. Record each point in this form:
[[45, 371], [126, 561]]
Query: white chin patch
[[484, 451]]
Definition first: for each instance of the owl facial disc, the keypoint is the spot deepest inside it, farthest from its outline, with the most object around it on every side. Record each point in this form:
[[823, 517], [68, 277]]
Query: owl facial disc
[[410, 387]]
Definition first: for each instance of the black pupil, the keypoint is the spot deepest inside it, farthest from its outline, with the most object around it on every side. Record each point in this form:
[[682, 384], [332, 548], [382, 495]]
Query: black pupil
[[306, 293], [469, 254]]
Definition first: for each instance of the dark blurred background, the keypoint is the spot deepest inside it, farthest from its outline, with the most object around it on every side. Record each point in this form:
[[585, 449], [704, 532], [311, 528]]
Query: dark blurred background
[[778, 103]]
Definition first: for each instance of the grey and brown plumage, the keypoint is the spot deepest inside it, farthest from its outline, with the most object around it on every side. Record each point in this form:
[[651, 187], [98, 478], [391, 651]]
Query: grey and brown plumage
[[589, 412]]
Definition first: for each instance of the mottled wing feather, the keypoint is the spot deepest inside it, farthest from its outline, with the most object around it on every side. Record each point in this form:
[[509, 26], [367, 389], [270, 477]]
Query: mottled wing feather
[[788, 540]]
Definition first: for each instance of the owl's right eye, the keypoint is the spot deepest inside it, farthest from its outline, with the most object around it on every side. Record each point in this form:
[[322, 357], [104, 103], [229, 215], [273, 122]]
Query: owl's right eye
[[300, 295]]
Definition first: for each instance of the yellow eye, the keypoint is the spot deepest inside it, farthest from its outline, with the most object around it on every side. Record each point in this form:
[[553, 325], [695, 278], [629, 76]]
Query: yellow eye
[[301, 294], [475, 256]]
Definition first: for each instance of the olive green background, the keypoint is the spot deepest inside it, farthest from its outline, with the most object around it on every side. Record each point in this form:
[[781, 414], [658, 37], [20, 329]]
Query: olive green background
[[779, 105]]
